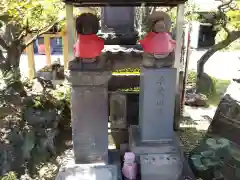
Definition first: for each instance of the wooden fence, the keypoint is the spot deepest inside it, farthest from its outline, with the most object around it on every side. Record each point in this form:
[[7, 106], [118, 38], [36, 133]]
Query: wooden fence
[[47, 46]]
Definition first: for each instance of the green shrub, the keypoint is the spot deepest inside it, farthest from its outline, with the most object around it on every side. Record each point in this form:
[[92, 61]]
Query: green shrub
[[10, 176], [192, 77], [128, 70]]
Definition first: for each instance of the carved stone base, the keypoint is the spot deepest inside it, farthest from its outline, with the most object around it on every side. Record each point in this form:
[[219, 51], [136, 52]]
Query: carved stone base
[[140, 147], [157, 159], [93, 171], [88, 172]]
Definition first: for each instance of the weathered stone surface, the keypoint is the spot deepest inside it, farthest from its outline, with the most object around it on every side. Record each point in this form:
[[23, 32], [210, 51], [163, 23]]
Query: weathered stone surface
[[226, 122], [161, 166], [150, 60], [36, 117], [79, 78], [67, 160], [123, 81], [118, 110], [88, 172], [194, 99], [90, 123], [89, 113], [157, 103], [152, 147], [217, 156]]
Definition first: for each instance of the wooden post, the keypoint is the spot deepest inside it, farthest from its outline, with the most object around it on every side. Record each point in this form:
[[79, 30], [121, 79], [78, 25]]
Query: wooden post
[[70, 33], [47, 49], [30, 57], [177, 63], [65, 51]]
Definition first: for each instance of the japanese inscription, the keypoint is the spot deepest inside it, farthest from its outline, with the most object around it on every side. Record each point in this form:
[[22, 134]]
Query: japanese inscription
[[160, 93], [86, 142]]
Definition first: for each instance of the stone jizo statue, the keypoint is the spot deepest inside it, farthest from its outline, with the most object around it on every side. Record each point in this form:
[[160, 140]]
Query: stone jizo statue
[[158, 44]]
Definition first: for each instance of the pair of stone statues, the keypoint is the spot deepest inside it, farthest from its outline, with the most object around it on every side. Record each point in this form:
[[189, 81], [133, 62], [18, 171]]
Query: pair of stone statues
[[158, 45]]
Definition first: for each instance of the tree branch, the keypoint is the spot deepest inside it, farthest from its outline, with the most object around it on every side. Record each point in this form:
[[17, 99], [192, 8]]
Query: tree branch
[[41, 32], [233, 36], [221, 8]]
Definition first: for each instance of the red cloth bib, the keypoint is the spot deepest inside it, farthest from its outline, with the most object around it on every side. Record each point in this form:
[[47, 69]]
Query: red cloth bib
[[158, 43], [88, 46]]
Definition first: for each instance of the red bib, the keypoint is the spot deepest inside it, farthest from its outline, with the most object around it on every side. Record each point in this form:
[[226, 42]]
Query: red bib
[[158, 43], [88, 46]]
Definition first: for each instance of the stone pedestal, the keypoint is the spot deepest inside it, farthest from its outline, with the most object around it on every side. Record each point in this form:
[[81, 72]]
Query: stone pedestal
[[157, 159], [154, 141], [157, 103], [88, 172], [161, 166], [93, 171], [140, 147], [89, 112]]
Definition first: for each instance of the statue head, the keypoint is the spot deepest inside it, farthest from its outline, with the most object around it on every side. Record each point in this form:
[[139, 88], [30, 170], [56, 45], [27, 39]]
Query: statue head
[[160, 21], [87, 23]]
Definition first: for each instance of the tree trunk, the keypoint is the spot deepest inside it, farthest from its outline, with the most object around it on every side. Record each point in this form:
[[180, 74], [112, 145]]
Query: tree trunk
[[9, 67], [223, 44], [201, 76]]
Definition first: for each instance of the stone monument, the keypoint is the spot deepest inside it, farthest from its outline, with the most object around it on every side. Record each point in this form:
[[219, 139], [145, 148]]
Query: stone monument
[[154, 141], [88, 76]]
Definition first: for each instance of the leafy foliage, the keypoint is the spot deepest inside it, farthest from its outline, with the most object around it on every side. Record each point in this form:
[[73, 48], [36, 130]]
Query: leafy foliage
[[189, 12], [190, 15], [227, 20], [234, 16], [32, 15], [10, 176]]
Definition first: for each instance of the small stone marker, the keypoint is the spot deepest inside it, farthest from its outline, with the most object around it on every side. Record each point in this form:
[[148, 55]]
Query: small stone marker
[[118, 110]]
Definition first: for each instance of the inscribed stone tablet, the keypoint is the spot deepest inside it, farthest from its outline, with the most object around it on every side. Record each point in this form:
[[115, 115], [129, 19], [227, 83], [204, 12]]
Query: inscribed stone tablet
[[157, 103], [90, 124]]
